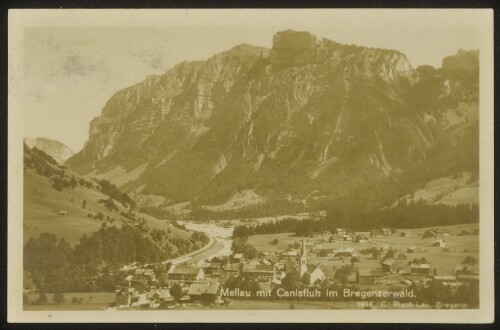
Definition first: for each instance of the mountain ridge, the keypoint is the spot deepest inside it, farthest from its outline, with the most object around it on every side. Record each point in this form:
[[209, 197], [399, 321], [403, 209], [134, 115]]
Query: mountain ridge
[[306, 114], [56, 149]]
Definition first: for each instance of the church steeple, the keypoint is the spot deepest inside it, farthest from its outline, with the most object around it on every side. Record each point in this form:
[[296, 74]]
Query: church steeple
[[303, 258]]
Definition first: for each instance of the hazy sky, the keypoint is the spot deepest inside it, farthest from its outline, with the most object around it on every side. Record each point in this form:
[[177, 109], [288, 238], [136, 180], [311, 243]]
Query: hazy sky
[[74, 61]]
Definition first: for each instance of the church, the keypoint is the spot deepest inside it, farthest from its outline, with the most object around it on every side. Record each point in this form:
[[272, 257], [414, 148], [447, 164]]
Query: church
[[297, 261]]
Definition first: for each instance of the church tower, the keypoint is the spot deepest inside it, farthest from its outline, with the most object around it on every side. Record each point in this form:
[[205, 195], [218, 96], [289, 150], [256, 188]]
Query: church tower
[[303, 258]]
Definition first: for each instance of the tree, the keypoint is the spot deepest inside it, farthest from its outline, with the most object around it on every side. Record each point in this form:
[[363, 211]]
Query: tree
[[343, 272], [84, 204], [275, 241], [291, 280], [42, 298], [470, 260], [323, 253], [176, 292], [58, 298]]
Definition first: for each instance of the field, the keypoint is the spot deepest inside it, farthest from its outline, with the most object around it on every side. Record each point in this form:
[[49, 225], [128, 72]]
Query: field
[[444, 260], [89, 301], [42, 203], [451, 190]]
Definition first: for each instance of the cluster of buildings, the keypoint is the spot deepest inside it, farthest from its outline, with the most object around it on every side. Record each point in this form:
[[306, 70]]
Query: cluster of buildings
[[148, 286]]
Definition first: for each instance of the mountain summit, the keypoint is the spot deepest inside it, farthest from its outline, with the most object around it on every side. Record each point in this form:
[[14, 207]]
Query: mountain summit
[[57, 150], [308, 117]]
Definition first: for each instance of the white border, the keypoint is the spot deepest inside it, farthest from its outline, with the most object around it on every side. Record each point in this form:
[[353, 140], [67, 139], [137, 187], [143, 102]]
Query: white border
[[19, 19]]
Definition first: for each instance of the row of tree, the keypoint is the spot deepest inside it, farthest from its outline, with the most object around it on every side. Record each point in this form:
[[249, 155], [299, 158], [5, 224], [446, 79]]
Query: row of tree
[[287, 225], [56, 266]]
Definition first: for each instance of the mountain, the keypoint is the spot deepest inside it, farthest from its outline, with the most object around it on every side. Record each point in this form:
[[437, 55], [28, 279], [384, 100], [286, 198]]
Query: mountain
[[55, 149], [60, 202], [308, 120]]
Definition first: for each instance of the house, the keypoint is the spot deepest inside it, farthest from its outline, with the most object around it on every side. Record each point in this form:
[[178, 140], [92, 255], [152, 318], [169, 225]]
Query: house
[[402, 256], [468, 278], [429, 233], [183, 274], [466, 270], [405, 234], [123, 298], [288, 254], [236, 258], [442, 233], [140, 301], [266, 262], [63, 213], [341, 231], [314, 274], [205, 290], [389, 265], [347, 238], [411, 249], [420, 269], [159, 297], [376, 233], [346, 252], [445, 279], [362, 237], [439, 243], [369, 276], [386, 231], [231, 270], [352, 277], [212, 270], [258, 272]]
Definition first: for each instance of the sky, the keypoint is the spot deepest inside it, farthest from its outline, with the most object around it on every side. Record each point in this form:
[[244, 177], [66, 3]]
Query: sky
[[74, 61]]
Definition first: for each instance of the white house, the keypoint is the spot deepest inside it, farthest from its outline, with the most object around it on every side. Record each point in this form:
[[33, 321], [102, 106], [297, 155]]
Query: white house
[[439, 243]]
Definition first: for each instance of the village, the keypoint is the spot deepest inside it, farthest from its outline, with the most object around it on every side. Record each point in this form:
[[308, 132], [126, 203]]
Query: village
[[290, 267]]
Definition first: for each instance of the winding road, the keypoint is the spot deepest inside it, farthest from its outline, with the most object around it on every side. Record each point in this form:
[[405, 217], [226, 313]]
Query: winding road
[[220, 241]]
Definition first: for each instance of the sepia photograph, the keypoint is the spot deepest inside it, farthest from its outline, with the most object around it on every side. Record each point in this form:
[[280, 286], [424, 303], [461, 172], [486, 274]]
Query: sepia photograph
[[243, 165]]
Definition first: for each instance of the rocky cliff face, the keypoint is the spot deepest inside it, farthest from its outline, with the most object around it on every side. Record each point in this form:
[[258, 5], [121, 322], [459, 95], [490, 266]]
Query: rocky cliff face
[[56, 149], [307, 114]]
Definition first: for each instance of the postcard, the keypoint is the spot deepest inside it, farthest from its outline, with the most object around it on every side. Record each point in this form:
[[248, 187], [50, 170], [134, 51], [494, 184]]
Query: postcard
[[263, 165]]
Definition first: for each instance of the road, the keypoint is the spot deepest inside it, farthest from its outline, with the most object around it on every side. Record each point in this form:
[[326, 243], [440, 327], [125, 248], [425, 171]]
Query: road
[[219, 244]]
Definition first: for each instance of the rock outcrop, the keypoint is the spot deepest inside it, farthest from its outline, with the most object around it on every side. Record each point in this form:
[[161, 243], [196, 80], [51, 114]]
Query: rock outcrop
[[306, 114]]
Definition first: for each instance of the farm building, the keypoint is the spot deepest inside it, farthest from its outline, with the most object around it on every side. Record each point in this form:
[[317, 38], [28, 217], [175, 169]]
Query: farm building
[[445, 279], [347, 238], [386, 231], [411, 249], [183, 274], [369, 276], [402, 256], [231, 270], [362, 238], [346, 252], [63, 213], [204, 291], [341, 231], [405, 234], [258, 272], [421, 269], [389, 265], [439, 243], [442, 233]]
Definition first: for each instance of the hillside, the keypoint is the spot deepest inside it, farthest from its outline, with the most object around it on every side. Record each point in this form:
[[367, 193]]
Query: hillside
[[53, 148], [305, 123], [58, 201]]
